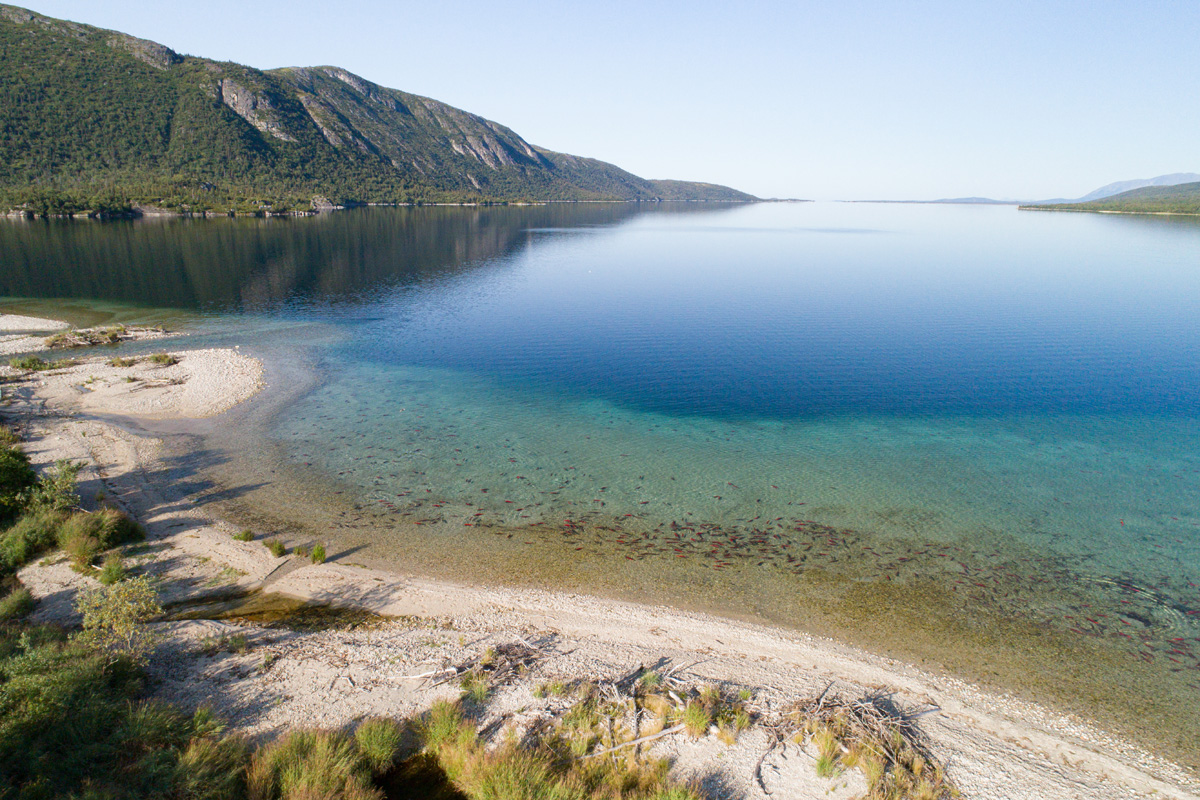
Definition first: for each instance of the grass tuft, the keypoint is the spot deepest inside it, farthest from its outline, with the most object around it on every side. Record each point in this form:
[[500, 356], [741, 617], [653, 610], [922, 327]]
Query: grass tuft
[[276, 547], [318, 554], [113, 570], [16, 605], [244, 536], [475, 685], [163, 359], [379, 741], [695, 719]]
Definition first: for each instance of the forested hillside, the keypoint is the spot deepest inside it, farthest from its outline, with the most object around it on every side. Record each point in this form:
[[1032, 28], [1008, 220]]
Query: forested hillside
[[97, 120]]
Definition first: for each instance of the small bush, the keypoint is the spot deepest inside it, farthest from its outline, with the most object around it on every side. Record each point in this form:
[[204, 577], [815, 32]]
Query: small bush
[[211, 645], [56, 491], [301, 550], [32, 535], [17, 478], [113, 618], [276, 547], [113, 569], [16, 605], [244, 536], [87, 338], [122, 362], [8, 437], [32, 363], [163, 359], [318, 554], [85, 534], [379, 742]]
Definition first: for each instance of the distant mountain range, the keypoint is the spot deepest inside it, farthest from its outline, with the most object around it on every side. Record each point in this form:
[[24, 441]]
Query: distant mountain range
[[1173, 193], [1182, 198], [99, 120]]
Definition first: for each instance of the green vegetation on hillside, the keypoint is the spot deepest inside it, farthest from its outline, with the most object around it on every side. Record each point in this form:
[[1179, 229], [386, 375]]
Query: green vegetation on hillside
[[93, 120], [1183, 198]]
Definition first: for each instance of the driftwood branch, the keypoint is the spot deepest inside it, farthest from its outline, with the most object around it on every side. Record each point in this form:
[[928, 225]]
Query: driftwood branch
[[632, 742]]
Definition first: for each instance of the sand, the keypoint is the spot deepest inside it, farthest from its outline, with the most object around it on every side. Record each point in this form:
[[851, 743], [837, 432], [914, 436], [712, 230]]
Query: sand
[[29, 335], [995, 746]]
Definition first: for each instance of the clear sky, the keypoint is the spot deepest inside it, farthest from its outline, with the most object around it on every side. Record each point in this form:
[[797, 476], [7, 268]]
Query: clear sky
[[837, 99]]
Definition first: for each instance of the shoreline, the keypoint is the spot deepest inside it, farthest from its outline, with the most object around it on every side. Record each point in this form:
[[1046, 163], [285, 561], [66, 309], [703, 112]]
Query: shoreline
[[996, 746]]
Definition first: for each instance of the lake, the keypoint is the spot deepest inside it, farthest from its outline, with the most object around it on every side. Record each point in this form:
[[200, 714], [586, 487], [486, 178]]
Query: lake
[[966, 436]]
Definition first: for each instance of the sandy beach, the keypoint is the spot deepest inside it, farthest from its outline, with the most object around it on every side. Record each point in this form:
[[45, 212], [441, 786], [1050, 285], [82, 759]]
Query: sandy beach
[[994, 746]]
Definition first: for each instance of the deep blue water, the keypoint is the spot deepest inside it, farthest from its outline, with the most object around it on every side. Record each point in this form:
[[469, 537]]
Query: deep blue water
[[1005, 403]]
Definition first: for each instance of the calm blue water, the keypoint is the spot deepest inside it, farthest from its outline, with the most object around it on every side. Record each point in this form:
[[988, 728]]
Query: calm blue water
[[922, 370], [998, 410]]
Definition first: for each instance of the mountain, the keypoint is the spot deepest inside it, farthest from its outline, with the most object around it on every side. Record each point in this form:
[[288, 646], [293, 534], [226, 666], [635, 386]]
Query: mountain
[[1181, 198], [1120, 187], [96, 119]]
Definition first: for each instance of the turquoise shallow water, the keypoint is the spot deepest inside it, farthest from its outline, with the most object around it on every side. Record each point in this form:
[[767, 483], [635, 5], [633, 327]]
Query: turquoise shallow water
[[782, 411]]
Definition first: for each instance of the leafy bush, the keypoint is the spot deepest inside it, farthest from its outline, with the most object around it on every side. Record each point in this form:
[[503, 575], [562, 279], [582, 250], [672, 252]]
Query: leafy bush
[[244, 536], [70, 726], [113, 618], [56, 491], [16, 479]]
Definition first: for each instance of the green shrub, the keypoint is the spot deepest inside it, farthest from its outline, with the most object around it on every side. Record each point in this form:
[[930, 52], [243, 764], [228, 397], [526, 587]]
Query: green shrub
[[7, 436], [71, 726], [211, 645], [85, 534], [56, 491], [244, 536], [32, 535], [16, 605], [114, 617], [122, 362], [276, 547], [113, 570], [30, 363], [16, 479], [379, 742], [87, 337], [318, 554], [163, 359]]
